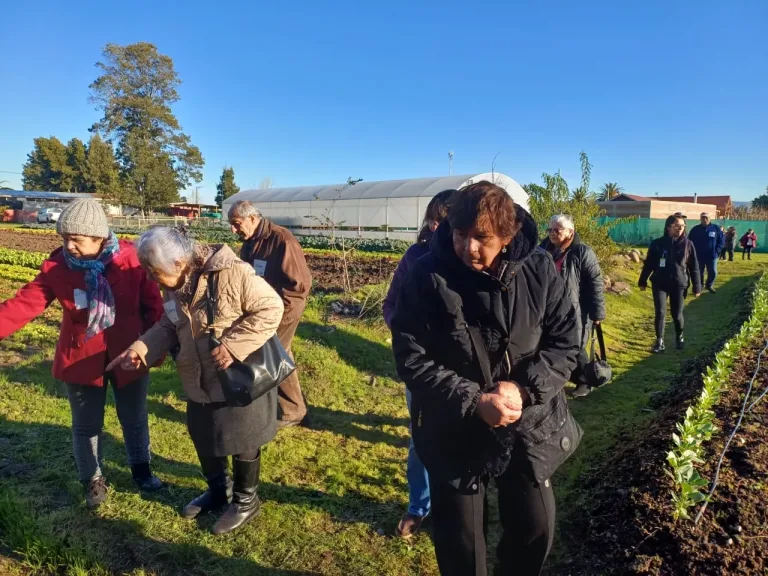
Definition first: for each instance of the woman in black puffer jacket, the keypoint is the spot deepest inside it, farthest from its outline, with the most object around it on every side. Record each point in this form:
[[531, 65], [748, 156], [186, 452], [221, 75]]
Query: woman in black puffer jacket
[[485, 338], [671, 265]]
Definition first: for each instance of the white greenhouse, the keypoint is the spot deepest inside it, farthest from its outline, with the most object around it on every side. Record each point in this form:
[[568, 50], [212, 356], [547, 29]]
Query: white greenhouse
[[387, 209]]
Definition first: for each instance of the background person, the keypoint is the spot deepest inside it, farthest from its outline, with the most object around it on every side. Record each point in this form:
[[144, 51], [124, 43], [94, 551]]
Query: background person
[[485, 273], [730, 242], [671, 266], [578, 266], [247, 315], [418, 479], [708, 240], [748, 242], [106, 300], [276, 256]]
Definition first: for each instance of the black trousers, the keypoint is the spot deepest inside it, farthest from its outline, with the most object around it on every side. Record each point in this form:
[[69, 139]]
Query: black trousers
[[747, 252], [727, 251], [459, 525], [676, 303]]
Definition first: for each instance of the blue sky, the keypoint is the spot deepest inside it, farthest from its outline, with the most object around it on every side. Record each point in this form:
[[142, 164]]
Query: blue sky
[[665, 96]]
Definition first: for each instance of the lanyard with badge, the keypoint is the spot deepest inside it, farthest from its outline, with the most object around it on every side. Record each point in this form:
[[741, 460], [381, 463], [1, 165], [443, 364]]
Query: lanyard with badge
[[663, 260]]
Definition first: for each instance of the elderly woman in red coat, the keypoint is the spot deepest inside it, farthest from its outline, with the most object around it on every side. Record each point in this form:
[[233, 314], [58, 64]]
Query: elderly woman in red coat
[[107, 302]]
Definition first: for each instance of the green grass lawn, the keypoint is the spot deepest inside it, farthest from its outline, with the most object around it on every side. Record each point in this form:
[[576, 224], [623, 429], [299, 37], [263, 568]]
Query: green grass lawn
[[331, 496]]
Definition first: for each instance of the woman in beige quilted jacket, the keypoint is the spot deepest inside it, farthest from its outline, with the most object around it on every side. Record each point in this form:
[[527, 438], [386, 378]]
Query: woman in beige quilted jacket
[[248, 313]]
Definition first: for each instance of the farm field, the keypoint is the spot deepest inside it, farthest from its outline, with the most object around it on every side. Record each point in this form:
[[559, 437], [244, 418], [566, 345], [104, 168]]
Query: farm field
[[332, 495]]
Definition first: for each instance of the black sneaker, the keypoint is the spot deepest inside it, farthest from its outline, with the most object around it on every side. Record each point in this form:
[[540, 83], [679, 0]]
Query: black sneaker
[[95, 492], [711, 290], [680, 342], [658, 347]]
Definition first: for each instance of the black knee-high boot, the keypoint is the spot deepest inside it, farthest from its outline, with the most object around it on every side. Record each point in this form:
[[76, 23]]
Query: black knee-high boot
[[219, 490], [245, 501]]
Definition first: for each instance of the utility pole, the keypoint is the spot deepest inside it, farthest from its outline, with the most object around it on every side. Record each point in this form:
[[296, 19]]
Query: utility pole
[[197, 195], [450, 162]]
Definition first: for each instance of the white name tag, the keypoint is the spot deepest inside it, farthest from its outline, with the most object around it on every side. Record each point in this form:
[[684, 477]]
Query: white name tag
[[260, 266], [712, 234], [663, 263], [81, 299], [170, 311]]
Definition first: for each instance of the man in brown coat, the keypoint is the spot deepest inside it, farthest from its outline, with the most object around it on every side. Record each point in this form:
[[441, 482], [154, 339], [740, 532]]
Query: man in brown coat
[[276, 256]]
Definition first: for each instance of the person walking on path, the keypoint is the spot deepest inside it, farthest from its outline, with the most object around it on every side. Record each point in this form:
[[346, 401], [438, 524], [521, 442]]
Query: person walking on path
[[485, 338], [748, 242], [671, 266], [708, 240], [107, 301], [276, 256], [247, 313], [730, 243], [419, 503], [580, 270]]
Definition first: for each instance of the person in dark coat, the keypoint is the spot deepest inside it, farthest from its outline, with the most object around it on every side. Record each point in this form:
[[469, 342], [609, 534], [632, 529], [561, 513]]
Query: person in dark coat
[[671, 266], [485, 338], [730, 243], [708, 240], [419, 503], [579, 268], [748, 242]]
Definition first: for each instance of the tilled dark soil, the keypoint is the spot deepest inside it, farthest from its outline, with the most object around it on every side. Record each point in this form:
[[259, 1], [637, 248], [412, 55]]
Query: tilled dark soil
[[327, 271], [625, 525]]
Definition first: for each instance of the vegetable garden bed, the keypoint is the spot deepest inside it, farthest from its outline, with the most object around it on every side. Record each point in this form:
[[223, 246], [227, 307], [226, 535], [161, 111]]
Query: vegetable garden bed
[[627, 523]]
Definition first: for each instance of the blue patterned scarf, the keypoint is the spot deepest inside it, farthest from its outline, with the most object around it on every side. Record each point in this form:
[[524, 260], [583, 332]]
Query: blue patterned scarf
[[101, 302]]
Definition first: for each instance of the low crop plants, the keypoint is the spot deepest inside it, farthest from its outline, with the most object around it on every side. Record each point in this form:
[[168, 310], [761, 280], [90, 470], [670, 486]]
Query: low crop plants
[[698, 426]]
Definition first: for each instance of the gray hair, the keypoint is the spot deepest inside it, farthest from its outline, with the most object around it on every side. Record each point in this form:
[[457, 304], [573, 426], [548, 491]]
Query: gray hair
[[563, 220], [243, 209], [161, 248]]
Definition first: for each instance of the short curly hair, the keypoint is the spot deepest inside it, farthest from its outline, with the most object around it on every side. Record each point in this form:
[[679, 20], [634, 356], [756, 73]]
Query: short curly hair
[[486, 206]]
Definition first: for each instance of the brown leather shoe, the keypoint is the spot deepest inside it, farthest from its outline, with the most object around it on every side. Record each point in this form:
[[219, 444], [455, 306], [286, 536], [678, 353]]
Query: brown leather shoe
[[409, 525], [287, 423]]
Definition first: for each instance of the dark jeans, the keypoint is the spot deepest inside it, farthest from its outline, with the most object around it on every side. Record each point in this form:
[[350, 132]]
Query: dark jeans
[[747, 252], [729, 252], [459, 525], [710, 265], [676, 302], [87, 403]]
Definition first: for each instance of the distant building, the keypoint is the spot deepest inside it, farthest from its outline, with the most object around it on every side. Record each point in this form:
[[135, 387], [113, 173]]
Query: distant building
[[376, 209], [625, 205], [724, 204], [192, 210]]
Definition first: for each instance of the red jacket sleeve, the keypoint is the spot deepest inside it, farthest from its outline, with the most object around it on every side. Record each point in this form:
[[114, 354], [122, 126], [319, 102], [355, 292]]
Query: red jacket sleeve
[[30, 301], [151, 301]]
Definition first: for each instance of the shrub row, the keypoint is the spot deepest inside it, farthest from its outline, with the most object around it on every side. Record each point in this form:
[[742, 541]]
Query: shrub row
[[698, 425]]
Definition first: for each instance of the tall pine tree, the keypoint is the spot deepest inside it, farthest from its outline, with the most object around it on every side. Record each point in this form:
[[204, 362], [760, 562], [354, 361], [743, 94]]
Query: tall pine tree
[[226, 186], [76, 164], [135, 92]]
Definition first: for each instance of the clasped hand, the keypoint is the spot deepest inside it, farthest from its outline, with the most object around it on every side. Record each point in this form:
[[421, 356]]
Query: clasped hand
[[503, 406]]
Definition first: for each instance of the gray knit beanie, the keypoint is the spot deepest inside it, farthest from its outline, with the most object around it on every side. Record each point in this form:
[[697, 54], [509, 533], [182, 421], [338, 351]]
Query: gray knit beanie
[[83, 218]]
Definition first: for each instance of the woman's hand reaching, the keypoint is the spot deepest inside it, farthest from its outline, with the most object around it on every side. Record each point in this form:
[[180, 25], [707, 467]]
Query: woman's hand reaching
[[128, 360]]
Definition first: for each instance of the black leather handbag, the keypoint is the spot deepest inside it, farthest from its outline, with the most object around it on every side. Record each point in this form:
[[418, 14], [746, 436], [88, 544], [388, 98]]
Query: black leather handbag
[[598, 372], [263, 370]]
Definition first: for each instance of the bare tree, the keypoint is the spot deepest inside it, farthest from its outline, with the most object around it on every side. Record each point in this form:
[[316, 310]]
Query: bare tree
[[266, 182]]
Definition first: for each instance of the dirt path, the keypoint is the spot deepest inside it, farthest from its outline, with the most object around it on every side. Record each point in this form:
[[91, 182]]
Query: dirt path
[[326, 270]]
